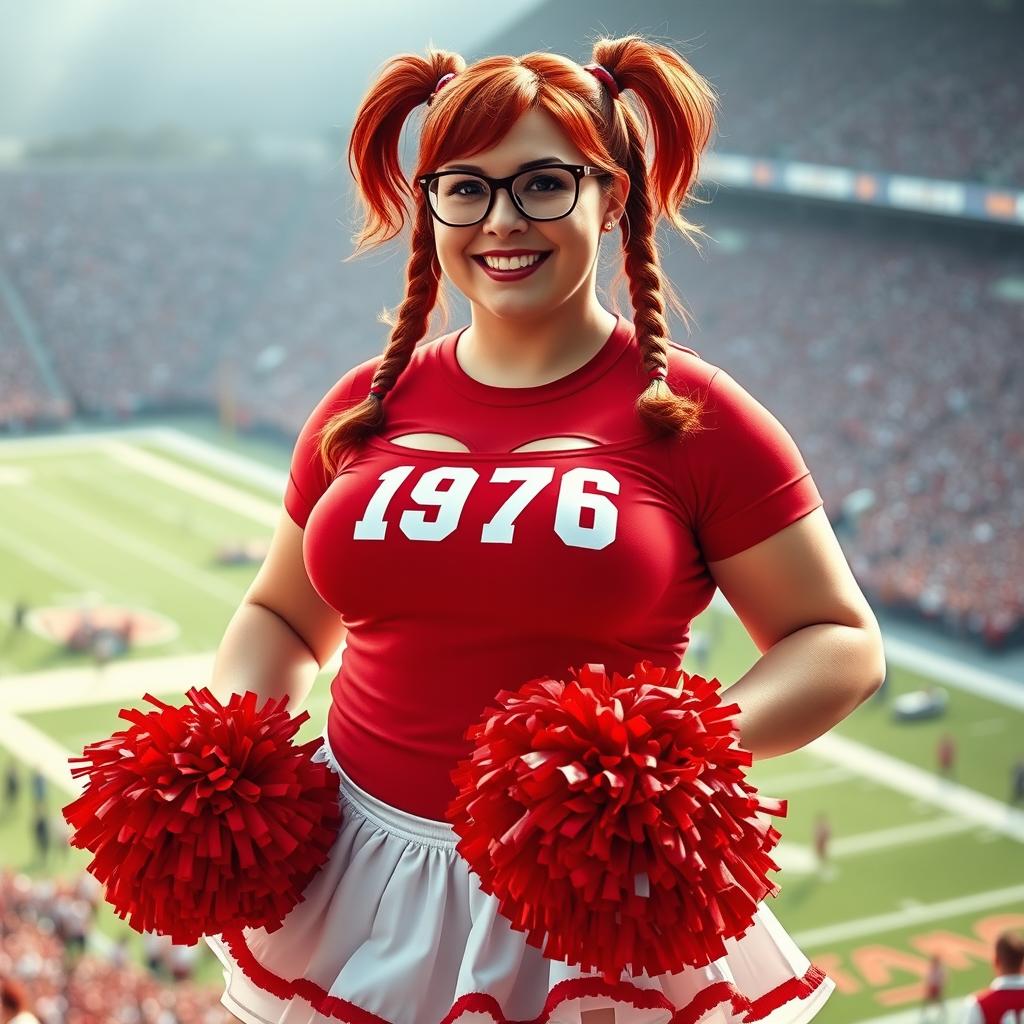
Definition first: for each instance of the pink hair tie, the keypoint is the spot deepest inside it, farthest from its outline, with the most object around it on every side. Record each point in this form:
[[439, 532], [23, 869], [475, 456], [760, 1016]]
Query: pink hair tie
[[441, 83], [659, 372], [601, 72]]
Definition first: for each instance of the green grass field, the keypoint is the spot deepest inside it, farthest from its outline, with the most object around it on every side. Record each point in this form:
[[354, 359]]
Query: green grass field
[[916, 867]]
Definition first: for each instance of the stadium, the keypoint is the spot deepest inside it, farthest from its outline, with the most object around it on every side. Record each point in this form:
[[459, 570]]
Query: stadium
[[170, 314]]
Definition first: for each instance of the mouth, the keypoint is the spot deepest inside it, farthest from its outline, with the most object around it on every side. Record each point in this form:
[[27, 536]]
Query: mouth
[[511, 275]]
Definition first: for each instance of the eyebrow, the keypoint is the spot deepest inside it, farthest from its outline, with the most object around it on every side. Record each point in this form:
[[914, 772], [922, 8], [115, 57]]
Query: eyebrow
[[522, 167]]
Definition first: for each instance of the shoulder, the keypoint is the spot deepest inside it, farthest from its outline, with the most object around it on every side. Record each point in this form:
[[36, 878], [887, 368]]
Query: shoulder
[[688, 370], [351, 387]]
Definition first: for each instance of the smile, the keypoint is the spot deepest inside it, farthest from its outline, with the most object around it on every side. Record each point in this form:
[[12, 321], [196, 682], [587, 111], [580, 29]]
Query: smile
[[510, 275]]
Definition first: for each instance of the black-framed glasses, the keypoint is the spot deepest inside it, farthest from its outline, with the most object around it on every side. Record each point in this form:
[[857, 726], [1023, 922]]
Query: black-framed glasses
[[548, 192]]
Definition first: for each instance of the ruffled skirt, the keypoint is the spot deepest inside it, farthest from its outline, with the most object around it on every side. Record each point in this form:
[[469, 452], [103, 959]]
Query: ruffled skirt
[[394, 929]]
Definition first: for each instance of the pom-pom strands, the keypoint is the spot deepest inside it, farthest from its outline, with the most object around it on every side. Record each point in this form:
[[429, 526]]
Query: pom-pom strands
[[205, 818], [612, 819]]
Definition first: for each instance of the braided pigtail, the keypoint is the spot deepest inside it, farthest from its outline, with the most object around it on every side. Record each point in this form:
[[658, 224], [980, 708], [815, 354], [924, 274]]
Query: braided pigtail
[[679, 106], [405, 82]]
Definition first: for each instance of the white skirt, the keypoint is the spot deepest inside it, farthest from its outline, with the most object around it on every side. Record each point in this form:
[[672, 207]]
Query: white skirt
[[393, 929]]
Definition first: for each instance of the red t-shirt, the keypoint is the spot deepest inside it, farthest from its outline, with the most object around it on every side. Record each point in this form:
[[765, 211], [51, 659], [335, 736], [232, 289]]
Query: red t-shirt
[[460, 574], [1001, 1003]]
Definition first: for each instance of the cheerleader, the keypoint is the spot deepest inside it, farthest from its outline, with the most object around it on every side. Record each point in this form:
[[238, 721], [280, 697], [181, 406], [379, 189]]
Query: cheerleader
[[553, 484]]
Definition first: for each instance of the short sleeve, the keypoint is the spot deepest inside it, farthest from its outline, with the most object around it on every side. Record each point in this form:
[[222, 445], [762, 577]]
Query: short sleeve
[[747, 475], [970, 1011], [307, 478]]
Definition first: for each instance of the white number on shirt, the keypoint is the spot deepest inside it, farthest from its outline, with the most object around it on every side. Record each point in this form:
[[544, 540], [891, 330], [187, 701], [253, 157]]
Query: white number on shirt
[[573, 500]]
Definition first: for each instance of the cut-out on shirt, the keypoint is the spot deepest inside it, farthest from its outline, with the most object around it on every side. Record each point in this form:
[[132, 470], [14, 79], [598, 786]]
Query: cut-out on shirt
[[462, 573], [442, 442]]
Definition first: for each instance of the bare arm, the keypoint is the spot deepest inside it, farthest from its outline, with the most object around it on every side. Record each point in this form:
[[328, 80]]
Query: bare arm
[[822, 652], [261, 652], [283, 632]]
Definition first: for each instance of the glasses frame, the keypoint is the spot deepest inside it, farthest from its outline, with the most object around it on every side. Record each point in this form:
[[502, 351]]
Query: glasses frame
[[578, 171]]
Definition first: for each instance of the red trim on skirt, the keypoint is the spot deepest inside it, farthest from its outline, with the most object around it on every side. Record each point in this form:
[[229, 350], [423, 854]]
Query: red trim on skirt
[[573, 988]]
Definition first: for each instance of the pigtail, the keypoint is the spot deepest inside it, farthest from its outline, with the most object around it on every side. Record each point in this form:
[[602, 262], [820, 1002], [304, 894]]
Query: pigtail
[[405, 82], [679, 107]]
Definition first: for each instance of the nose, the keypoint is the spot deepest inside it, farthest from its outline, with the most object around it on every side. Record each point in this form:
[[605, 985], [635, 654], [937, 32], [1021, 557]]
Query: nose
[[504, 214]]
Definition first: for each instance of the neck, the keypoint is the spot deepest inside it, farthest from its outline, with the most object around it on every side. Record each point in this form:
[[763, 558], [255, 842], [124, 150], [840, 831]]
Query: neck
[[518, 351]]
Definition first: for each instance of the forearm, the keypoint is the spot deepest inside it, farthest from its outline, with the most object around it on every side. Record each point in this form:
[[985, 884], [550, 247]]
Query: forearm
[[262, 653], [804, 685]]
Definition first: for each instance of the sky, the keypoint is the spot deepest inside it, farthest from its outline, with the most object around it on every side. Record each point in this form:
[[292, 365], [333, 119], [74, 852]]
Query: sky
[[219, 66]]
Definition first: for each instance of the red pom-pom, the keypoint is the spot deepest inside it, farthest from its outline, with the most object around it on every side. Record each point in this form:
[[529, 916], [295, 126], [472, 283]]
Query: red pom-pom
[[612, 819], [205, 818]]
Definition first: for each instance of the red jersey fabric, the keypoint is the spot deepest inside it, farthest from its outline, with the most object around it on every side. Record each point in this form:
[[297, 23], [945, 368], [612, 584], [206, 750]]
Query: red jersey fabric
[[460, 574], [1001, 1003]]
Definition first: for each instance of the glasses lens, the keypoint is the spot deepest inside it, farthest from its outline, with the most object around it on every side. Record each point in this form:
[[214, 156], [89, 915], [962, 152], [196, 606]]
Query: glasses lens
[[459, 198], [544, 194]]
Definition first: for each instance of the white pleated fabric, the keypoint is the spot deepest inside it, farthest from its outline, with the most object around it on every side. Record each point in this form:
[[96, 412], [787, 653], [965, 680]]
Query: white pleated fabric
[[395, 927]]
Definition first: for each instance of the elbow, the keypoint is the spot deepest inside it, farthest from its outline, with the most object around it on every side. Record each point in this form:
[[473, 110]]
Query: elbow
[[873, 661]]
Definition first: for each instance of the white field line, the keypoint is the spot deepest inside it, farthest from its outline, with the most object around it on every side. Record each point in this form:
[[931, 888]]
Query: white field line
[[223, 461], [175, 518], [907, 916], [72, 441], [801, 859], [21, 547], [920, 784], [792, 782], [203, 486], [117, 681], [954, 1007], [36, 748], [900, 835], [78, 518]]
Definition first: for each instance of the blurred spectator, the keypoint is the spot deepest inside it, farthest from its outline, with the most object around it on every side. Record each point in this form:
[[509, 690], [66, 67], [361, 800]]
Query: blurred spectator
[[1003, 1000], [935, 987], [41, 833], [822, 837], [1017, 781], [12, 784], [38, 786], [945, 754], [14, 1003], [155, 947]]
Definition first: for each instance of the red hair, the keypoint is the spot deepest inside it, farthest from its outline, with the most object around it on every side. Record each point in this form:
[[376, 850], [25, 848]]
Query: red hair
[[675, 109]]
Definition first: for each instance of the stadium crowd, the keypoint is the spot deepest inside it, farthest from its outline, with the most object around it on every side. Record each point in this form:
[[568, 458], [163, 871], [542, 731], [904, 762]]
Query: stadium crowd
[[51, 962]]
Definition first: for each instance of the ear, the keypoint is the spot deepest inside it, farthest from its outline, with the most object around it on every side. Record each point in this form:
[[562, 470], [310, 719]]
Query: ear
[[615, 201]]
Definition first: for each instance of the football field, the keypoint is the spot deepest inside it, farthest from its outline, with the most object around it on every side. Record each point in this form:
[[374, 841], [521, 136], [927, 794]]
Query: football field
[[130, 522]]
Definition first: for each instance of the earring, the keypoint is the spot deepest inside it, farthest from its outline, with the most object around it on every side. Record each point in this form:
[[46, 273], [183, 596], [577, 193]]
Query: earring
[[609, 225]]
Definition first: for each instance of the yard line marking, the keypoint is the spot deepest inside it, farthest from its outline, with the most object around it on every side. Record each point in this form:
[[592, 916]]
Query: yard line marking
[[176, 518], [953, 1007], [920, 784], [116, 682], [198, 578], [800, 858], [894, 920], [901, 835], [23, 548], [243, 467], [794, 781], [206, 487], [987, 727], [36, 748]]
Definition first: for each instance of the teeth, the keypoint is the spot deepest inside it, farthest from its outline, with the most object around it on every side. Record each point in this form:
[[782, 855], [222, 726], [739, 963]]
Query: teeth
[[507, 263]]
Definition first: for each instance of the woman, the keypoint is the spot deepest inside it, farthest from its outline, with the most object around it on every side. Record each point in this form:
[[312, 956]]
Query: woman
[[549, 486]]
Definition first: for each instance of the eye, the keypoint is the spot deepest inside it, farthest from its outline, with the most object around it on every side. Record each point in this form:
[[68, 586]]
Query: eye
[[549, 181], [455, 188]]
